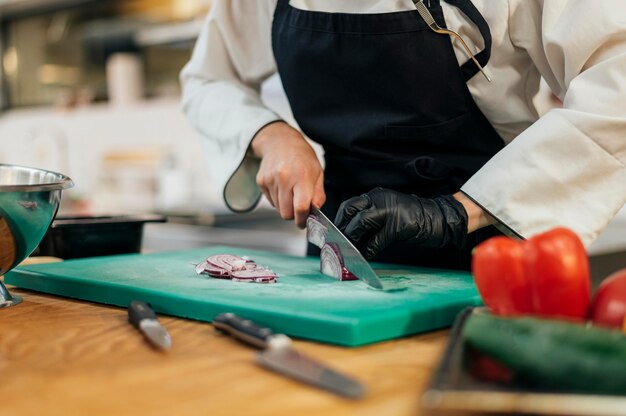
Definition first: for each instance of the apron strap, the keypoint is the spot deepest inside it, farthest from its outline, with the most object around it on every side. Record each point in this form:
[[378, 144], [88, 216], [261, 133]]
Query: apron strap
[[469, 68]]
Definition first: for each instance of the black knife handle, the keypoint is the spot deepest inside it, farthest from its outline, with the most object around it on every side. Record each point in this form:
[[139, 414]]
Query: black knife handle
[[243, 329], [138, 311]]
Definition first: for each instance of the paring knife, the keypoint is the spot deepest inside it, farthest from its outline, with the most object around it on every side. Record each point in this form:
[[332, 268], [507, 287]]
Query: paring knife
[[352, 259], [279, 356], [141, 315]]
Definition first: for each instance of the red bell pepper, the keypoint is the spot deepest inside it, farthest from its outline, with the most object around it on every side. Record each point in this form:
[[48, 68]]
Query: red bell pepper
[[547, 275]]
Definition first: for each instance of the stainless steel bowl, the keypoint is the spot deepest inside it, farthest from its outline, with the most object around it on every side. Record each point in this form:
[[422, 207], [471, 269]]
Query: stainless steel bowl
[[29, 200]]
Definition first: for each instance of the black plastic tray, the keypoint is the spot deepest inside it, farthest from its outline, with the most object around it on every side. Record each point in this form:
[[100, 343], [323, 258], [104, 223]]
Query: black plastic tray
[[77, 237], [453, 389]]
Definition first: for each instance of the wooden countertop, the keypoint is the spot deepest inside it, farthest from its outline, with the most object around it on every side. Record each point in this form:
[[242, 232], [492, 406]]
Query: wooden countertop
[[65, 357]]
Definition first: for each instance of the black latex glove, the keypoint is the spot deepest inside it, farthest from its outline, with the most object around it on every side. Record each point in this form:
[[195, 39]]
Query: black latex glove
[[375, 220]]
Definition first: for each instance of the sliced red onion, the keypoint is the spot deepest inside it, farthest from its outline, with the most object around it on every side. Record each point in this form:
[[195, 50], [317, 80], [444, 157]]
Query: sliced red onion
[[266, 280], [347, 274], [237, 279], [239, 269], [315, 231], [218, 273], [257, 280], [207, 268], [253, 274], [227, 261], [201, 266], [331, 263]]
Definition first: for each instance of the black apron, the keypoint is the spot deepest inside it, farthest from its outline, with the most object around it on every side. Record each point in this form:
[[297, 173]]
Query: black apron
[[385, 96]]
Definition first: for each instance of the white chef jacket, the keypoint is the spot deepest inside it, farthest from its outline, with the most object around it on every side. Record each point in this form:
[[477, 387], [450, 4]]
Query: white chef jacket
[[565, 168]]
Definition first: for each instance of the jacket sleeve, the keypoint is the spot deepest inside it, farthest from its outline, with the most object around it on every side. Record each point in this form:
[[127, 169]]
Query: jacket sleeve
[[221, 93], [568, 168]]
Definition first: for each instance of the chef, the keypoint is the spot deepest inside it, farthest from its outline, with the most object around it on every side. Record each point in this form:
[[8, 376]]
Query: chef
[[429, 146]]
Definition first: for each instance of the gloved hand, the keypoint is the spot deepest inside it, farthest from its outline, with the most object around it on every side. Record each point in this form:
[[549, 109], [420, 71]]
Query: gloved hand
[[375, 220]]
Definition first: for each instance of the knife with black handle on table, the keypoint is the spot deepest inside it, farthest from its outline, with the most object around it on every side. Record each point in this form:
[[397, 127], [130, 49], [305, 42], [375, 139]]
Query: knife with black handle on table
[[141, 315], [279, 356]]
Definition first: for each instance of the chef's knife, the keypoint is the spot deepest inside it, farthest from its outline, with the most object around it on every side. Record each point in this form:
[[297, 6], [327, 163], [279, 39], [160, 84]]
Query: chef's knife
[[279, 356], [352, 259], [141, 315]]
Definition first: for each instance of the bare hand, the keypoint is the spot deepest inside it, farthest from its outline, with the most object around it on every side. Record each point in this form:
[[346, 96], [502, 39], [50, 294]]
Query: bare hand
[[290, 176]]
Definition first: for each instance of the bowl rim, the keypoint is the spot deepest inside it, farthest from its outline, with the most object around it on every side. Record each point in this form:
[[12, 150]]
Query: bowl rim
[[63, 182]]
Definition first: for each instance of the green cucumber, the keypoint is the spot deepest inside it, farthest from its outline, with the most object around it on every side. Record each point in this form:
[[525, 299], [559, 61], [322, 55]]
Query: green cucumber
[[552, 355]]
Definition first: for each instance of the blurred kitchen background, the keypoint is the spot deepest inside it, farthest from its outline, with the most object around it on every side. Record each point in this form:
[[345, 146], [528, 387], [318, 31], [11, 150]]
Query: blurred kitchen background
[[90, 88]]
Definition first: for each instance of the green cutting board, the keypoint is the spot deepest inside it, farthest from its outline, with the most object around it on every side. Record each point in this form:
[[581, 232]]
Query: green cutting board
[[304, 303]]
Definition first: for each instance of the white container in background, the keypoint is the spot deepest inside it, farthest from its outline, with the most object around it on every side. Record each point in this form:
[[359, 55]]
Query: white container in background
[[173, 192], [125, 79]]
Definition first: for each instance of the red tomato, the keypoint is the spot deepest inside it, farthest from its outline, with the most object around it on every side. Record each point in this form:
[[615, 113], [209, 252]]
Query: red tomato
[[547, 275], [608, 307]]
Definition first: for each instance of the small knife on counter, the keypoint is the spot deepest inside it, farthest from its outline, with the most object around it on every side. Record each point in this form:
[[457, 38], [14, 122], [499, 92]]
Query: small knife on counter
[[279, 356], [141, 315]]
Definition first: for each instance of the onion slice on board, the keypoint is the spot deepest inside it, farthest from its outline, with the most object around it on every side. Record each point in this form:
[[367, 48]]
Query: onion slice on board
[[237, 269], [213, 271], [201, 266], [256, 280], [227, 261], [331, 263], [253, 274]]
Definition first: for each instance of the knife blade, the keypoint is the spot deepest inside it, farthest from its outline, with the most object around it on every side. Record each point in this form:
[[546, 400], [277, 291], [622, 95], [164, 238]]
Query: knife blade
[[352, 258], [280, 357], [142, 317]]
